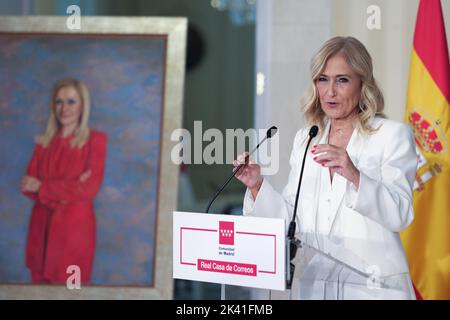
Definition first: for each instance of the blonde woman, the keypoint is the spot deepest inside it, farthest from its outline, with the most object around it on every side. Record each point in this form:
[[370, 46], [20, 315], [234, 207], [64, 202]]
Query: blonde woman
[[63, 177], [358, 178]]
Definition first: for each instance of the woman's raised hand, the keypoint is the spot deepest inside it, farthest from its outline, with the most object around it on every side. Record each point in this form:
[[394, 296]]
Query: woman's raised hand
[[249, 174], [336, 158]]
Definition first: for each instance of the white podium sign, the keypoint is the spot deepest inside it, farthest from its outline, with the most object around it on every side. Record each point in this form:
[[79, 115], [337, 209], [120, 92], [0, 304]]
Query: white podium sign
[[227, 249]]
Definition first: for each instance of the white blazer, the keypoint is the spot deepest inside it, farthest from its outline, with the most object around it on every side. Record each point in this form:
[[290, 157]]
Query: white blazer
[[375, 213]]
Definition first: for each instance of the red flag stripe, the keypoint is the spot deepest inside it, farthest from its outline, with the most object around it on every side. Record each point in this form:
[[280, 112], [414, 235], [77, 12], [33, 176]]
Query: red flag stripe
[[434, 54]]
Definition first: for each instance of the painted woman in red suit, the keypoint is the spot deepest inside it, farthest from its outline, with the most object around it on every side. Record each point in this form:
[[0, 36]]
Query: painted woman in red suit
[[63, 177]]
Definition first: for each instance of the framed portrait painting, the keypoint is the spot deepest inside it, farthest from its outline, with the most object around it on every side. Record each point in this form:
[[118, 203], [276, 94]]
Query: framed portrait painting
[[133, 68]]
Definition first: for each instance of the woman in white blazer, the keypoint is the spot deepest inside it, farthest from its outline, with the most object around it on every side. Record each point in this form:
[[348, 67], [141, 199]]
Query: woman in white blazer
[[358, 177]]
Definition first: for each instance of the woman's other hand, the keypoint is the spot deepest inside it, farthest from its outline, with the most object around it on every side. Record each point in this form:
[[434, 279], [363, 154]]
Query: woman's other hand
[[249, 174], [30, 184], [85, 176], [337, 159]]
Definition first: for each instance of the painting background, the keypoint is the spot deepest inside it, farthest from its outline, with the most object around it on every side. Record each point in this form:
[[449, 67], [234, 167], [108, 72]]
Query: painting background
[[125, 76]]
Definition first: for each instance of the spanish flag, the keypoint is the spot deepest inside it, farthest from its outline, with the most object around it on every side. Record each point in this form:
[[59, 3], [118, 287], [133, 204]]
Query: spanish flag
[[427, 240]]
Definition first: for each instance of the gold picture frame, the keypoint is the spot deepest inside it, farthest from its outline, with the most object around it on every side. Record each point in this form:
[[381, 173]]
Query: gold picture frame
[[174, 30]]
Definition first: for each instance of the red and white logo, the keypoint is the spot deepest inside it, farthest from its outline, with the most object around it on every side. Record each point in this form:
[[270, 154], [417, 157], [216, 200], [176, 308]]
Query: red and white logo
[[226, 232]]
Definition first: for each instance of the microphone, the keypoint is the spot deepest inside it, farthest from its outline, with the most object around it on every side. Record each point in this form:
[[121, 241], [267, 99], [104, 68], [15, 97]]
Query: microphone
[[269, 134], [292, 225]]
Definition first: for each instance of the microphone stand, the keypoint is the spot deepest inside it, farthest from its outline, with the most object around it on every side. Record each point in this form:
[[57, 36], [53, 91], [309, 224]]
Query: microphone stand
[[293, 243]]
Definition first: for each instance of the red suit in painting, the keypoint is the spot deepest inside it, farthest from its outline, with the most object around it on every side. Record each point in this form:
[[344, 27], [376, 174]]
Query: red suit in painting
[[62, 228]]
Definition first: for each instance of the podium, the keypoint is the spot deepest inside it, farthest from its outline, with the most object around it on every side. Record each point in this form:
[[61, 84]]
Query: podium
[[328, 267], [229, 250]]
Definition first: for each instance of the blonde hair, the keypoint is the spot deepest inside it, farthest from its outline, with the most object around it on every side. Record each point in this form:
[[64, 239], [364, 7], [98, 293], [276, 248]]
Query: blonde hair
[[82, 132], [371, 102]]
